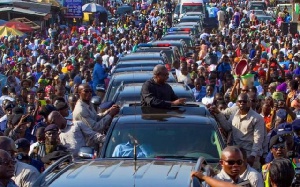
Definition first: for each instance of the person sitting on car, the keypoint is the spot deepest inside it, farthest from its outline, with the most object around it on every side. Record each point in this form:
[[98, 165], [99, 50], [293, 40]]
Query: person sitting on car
[[157, 93], [127, 149]]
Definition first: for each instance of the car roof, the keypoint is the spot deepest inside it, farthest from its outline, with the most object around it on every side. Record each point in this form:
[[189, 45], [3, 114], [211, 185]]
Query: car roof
[[165, 118], [191, 108], [141, 55], [134, 75], [140, 62], [190, 16], [170, 41], [154, 49], [131, 69], [177, 36], [186, 23]]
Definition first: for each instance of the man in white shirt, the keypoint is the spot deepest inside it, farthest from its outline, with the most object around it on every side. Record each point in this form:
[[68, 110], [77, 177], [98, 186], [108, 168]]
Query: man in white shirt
[[249, 173]]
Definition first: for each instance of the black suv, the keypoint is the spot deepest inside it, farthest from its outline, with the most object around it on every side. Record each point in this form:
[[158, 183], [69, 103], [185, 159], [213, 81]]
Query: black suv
[[146, 147]]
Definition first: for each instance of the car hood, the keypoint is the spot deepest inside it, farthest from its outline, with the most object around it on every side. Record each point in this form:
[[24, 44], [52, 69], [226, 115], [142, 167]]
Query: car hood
[[127, 173]]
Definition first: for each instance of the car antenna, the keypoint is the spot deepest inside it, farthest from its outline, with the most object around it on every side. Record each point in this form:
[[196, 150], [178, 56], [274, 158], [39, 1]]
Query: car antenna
[[134, 151]]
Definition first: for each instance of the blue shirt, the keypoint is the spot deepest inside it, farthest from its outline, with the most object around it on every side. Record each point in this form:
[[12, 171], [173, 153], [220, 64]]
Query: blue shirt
[[99, 75], [126, 150], [285, 63], [199, 94], [224, 67]]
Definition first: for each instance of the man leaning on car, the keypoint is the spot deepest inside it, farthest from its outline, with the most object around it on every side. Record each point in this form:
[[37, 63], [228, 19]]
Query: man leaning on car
[[85, 112], [157, 93]]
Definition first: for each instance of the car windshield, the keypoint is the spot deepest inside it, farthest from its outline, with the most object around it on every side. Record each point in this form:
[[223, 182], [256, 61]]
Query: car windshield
[[265, 18], [257, 7], [187, 19], [164, 140], [192, 8]]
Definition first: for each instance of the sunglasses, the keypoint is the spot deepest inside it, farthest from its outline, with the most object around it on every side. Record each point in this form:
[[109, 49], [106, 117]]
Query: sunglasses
[[278, 146], [163, 74], [51, 133], [242, 101], [8, 162], [233, 162]]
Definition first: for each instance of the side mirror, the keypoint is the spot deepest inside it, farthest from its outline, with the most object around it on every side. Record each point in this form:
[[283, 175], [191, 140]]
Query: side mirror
[[86, 152]]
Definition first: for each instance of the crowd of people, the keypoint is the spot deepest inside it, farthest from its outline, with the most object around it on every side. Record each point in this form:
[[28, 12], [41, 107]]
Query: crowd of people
[[50, 83]]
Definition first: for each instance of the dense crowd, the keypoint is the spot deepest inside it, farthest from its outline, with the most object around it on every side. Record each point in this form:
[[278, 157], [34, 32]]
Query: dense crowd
[[50, 83]]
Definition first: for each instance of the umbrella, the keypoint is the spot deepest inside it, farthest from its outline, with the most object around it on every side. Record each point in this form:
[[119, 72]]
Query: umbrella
[[6, 31], [2, 22], [93, 7], [19, 26]]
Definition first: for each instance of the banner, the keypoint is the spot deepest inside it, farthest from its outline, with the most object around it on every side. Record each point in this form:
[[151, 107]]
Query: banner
[[73, 8]]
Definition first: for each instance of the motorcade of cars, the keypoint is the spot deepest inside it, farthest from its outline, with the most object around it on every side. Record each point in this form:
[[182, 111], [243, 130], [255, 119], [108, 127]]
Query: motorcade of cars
[[135, 65], [180, 44], [171, 52], [118, 79], [132, 93]]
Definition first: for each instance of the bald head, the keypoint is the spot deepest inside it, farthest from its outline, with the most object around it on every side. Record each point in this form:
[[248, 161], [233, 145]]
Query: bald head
[[56, 118], [83, 86], [159, 69], [229, 150], [243, 96], [8, 144]]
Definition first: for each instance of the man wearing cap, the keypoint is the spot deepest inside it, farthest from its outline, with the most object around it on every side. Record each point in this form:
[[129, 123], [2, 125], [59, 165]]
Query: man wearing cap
[[277, 147], [24, 174], [23, 147], [85, 112], [52, 140], [76, 134], [284, 130]]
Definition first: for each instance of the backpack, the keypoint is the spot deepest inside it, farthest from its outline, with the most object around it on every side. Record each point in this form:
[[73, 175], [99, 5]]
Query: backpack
[[211, 58]]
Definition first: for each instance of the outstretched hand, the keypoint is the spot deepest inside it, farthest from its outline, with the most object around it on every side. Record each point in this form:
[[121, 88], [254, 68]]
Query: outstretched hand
[[180, 101]]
